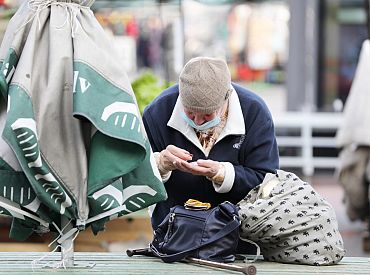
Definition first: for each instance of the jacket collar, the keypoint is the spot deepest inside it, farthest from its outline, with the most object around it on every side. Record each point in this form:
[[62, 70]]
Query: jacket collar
[[234, 125]]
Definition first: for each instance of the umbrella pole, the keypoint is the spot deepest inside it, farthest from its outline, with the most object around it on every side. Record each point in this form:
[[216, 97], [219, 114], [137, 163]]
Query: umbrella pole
[[67, 251]]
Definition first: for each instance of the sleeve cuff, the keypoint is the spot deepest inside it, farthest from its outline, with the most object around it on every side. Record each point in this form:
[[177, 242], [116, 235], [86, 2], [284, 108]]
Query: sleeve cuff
[[151, 209], [228, 182], [165, 177]]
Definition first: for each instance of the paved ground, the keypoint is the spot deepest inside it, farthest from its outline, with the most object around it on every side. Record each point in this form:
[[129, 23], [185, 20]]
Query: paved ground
[[352, 232]]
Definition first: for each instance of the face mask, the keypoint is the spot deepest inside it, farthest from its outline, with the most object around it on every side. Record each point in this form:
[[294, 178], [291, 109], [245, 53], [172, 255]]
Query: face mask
[[204, 126]]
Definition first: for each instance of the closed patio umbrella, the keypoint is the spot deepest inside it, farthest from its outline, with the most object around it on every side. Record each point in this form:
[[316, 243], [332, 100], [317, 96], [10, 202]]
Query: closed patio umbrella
[[73, 144]]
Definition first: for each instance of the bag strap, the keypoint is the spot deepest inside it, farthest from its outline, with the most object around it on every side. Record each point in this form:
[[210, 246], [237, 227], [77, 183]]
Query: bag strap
[[254, 257], [230, 227]]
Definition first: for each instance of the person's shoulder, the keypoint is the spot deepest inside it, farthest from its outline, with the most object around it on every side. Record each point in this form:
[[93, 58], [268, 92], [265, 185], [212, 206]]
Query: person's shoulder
[[165, 100]]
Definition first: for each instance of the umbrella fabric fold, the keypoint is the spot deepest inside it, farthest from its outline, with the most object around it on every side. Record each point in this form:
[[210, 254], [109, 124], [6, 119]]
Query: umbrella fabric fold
[[354, 128], [73, 143]]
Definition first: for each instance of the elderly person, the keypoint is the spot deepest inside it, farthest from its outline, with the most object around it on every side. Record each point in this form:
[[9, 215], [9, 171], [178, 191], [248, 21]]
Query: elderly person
[[213, 140]]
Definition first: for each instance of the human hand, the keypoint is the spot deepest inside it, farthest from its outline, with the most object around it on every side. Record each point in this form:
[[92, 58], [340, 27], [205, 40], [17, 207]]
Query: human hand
[[171, 155], [208, 168]]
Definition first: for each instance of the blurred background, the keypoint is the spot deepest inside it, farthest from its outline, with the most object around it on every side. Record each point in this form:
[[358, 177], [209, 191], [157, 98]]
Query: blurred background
[[299, 56]]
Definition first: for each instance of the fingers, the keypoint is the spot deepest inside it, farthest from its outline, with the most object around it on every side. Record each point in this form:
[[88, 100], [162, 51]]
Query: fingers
[[170, 155], [213, 166], [201, 167], [179, 153], [177, 158], [192, 168], [208, 163]]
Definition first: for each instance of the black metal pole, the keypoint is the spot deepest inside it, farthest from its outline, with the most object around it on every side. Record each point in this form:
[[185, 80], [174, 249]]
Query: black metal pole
[[367, 10]]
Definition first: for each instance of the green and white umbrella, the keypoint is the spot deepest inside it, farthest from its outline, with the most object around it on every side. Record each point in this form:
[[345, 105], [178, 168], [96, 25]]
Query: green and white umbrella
[[73, 143]]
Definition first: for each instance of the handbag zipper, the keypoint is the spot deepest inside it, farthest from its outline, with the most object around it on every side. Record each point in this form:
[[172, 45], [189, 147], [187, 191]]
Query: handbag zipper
[[169, 229], [186, 216], [172, 217]]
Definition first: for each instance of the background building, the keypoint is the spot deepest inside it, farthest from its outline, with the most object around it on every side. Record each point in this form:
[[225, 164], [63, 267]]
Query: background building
[[309, 49]]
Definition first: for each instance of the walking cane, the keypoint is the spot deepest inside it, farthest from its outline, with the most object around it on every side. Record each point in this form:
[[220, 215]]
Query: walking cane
[[247, 270]]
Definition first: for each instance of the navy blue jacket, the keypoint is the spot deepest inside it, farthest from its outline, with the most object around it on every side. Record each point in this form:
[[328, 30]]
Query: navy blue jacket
[[252, 155]]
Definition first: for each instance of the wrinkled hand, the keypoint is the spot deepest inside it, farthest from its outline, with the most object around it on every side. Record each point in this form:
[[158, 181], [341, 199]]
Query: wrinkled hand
[[169, 156], [208, 168]]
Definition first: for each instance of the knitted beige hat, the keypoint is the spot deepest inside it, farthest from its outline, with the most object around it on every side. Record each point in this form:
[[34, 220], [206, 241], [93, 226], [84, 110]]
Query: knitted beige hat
[[204, 84]]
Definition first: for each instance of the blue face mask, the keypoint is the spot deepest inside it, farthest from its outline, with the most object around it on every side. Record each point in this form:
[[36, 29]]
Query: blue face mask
[[204, 126]]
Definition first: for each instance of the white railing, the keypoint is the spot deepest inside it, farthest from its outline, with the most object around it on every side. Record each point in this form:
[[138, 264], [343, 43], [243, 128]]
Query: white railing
[[304, 127]]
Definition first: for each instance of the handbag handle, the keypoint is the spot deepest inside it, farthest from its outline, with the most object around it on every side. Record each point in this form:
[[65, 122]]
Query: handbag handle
[[168, 258]]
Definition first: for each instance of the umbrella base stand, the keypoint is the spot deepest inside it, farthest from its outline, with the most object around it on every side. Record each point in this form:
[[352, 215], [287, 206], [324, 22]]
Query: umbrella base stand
[[67, 245], [67, 249], [79, 266], [67, 261]]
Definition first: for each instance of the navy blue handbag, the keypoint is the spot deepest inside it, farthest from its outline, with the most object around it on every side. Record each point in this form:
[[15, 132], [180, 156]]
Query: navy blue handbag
[[205, 234]]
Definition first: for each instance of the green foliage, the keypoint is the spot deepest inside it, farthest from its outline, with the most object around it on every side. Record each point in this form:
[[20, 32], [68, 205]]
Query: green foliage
[[147, 87], [7, 14]]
